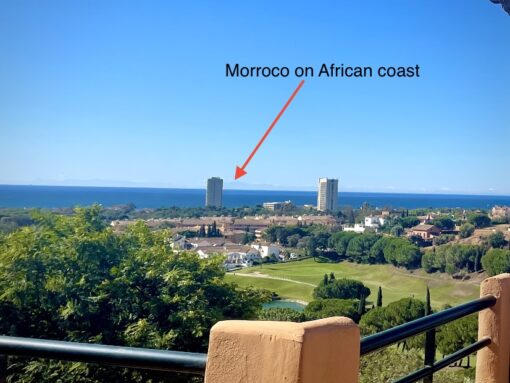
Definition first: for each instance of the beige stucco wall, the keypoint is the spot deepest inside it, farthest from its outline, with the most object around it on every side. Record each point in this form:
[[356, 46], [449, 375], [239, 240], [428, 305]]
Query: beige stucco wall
[[325, 351], [493, 362]]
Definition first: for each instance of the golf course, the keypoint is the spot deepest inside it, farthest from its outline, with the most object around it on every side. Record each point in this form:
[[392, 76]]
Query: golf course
[[296, 281]]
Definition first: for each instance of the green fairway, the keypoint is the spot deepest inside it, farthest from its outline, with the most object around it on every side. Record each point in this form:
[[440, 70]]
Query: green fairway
[[396, 283]]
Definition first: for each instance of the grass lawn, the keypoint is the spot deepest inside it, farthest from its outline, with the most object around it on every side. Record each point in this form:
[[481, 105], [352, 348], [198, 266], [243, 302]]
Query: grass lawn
[[396, 283]]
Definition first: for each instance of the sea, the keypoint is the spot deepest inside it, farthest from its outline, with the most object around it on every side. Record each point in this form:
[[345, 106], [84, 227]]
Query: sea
[[29, 196]]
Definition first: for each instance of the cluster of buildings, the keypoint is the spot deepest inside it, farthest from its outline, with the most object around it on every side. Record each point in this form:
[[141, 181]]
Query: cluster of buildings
[[236, 256], [327, 195]]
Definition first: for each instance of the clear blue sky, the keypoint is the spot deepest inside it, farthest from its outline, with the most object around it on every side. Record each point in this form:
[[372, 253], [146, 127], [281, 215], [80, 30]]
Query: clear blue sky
[[134, 93]]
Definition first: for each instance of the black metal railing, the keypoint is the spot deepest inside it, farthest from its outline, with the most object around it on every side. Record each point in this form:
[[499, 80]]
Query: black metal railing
[[194, 363], [430, 322], [158, 360]]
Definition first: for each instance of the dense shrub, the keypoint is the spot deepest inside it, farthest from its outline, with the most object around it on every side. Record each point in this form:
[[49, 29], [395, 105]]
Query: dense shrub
[[340, 289], [496, 261], [325, 308], [281, 314]]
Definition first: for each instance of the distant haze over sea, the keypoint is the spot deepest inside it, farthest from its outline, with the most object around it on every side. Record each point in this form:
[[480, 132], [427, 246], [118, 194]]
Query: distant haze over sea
[[22, 196]]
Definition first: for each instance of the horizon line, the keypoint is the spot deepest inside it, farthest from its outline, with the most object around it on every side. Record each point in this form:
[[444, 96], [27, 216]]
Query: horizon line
[[262, 190]]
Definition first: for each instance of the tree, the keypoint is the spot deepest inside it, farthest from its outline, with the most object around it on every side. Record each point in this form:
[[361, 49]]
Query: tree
[[340, 289], [444, 223], [281, 314], [496, 261], [379, 297], [466, 230], [82, 282], [292, 240], [497, 240], [362, 306], [401, 252], [479, 220], [358, 249], [394, 314], [455, 335], [397, 230], [377, 251], [325, 308], [340, 241]]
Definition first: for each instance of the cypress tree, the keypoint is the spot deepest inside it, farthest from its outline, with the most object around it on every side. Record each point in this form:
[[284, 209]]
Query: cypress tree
[[428, 307], [361, 307], [379, 297], [430, 341], [332, 276], [325, 281], [477, 259]]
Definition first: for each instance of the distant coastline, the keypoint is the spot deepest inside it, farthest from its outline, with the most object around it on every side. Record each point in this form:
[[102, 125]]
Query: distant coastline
[[28, 196]]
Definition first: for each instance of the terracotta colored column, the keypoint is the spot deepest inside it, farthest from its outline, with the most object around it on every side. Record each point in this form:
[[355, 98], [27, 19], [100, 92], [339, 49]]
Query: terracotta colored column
[[325, 351], [493, 362]]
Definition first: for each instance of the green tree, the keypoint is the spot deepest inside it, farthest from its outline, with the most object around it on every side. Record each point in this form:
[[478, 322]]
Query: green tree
[[326, 308], [479, 220], [340, 241], [401, 252], [466, 230], [340, 289], [444, 223], [497, 240], [72, 278], [281, 314], [496, 261], [379, 297], [358, 249], [397, 230]]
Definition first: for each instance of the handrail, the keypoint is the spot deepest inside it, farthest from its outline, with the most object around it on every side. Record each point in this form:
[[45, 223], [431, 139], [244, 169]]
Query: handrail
[[150, 359], [445, 362], [399, 333]]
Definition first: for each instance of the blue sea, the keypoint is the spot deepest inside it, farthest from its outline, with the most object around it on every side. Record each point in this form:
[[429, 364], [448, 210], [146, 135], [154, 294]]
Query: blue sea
[[66, 196]]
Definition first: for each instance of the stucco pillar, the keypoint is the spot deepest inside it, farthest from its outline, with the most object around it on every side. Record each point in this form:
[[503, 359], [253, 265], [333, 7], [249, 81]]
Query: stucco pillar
[[493, 362], [325, 351]]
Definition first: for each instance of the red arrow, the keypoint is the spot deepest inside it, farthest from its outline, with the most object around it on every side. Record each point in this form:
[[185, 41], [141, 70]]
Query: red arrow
[[240, 170]]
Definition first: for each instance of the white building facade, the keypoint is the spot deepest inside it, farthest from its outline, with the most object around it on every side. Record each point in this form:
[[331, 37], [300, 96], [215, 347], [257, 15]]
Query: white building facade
[[327, 196], [214, 194]]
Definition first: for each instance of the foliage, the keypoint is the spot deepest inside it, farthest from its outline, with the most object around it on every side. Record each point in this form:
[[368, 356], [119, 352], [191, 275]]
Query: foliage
[[497, 240], [466, 230], [452, 258], [443, 239], [340, 289], [281, 314], [479, 220], [325, 308], [457, 334], [340, 241], [394, 314], [358, 249], [401, 252], [443, 223], [72, 278], [496, 261], [389, 364]]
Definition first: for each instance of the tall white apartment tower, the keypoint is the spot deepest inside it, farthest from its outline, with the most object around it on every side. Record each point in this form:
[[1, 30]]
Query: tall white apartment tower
[[214, 194], [327, 196]]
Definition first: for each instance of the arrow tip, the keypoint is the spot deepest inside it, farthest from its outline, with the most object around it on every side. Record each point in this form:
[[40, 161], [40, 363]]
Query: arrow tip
[[239, 172]]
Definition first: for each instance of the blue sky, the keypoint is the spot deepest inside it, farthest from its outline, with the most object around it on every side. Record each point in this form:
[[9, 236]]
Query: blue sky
[[134, 93]]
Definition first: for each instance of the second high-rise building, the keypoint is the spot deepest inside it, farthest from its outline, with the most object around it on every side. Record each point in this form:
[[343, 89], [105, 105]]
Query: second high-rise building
[[214, 194], [327, 196]]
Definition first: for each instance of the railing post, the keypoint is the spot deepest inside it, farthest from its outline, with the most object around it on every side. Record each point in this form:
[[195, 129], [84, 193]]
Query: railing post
[[325, 350], [430, 353], [3, 368], [492, 362]]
